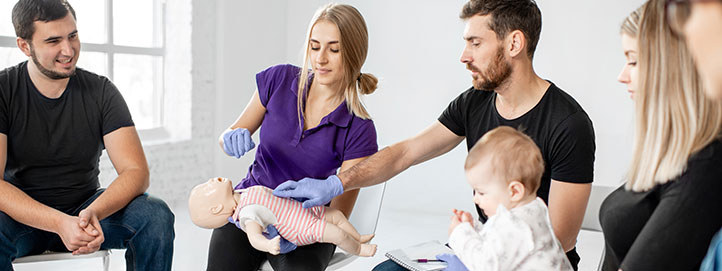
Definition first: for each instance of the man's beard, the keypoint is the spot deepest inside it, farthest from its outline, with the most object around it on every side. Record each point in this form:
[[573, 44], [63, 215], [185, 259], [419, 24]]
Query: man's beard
[[47, 72], [497, 73]]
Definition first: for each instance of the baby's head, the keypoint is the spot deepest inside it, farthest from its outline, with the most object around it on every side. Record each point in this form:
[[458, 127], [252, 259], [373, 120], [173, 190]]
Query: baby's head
[[504, 167], [211, 203]]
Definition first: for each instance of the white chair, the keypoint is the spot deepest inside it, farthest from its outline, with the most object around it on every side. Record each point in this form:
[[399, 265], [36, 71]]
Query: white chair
[[591, 215], [364, 218], [57, 256]]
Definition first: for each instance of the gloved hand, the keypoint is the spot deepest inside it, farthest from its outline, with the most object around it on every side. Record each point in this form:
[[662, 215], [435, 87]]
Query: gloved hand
[[316, 192], [453, 262], [237, 142], [270, 233]]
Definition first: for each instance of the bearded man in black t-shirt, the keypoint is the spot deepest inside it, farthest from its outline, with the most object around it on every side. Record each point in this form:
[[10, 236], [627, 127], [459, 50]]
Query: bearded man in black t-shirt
[[55, 120], [501, 38]]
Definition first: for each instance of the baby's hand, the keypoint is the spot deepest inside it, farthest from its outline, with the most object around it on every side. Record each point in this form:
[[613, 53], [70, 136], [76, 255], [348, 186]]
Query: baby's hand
[[458, 218]]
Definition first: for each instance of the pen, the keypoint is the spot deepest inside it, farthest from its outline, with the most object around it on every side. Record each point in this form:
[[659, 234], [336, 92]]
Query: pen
[[426, 260]]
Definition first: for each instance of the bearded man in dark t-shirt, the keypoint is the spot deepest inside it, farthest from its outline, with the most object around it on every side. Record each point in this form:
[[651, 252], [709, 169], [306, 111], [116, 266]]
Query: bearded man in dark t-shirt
[[501, 38], [55, 120]]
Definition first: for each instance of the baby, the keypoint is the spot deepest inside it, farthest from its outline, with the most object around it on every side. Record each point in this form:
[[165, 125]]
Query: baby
[[253, 209], [504, 168]]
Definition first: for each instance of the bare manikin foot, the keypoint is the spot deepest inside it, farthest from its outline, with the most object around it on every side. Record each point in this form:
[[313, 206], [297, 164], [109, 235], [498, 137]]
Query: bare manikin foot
[[367, 250], [366, 238]]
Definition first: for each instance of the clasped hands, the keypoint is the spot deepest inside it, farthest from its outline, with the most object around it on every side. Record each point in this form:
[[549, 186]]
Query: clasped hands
[[81, 234]]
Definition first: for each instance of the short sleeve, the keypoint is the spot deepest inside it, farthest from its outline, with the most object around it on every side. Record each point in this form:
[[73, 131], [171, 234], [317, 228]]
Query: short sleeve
[[453, 115], [4, 108], [270, 79], [361, 139], [115, 111], [571, 156]]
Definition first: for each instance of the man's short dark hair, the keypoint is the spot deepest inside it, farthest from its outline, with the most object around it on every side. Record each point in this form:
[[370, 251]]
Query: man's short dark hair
[[507, 16], [26, 12]]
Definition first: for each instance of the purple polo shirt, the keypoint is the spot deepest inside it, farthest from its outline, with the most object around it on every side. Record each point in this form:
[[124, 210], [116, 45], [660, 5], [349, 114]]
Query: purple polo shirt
[[287, 153]]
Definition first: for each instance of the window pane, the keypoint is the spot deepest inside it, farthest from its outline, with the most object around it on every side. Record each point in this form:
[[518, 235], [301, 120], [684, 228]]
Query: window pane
[[11, 56], [94, 62], [139, 79], [6, 23], [135, 23], [91, 20]]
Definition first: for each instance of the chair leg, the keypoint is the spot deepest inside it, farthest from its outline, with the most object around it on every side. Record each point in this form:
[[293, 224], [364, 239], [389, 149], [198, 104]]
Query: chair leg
[[106, 262]]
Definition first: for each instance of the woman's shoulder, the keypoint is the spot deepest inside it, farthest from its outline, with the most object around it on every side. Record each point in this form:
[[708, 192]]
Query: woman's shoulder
[[282, 69], [710, 153]]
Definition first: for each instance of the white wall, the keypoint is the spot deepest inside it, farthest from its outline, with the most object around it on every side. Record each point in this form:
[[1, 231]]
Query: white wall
[[414, 50]]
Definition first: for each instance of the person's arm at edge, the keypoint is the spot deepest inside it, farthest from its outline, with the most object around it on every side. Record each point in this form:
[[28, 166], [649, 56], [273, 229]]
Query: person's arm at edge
[[567, 204], [346, 201], [250, 118], [435, 140]]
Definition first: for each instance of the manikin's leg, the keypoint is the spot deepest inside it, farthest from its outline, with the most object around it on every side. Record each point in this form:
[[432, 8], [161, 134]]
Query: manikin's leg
[[259, 242], [336, 217], [334, 234]]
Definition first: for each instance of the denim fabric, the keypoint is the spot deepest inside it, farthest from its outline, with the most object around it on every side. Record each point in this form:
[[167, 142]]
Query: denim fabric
[[144, 228]]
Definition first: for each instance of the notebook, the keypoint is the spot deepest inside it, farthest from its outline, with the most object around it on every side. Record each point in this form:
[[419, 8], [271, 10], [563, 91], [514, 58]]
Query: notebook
[[427, 250]]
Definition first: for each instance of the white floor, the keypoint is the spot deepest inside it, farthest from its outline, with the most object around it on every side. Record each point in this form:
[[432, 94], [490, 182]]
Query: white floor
[[395, 229]]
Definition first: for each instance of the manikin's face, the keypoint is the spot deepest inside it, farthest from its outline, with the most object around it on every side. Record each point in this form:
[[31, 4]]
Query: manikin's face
[[630, 72], [489, 190], [703, 33], [484, 54], [325, 54], [212, 203], [55, 47]]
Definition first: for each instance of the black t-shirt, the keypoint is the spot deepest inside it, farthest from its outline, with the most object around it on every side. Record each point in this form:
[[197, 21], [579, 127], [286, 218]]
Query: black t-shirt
[[557, 124], [670, 226], [54, 145]]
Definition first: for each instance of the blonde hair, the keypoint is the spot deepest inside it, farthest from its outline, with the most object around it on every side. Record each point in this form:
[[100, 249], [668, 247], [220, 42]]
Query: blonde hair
[[513, 156], [673, 117], [353, 47], [630, 26]]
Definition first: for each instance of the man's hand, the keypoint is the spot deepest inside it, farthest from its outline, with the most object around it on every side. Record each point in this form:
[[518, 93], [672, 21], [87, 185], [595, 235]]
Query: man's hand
[[88, 220], [315, 192], [72, 234], [453, 262]]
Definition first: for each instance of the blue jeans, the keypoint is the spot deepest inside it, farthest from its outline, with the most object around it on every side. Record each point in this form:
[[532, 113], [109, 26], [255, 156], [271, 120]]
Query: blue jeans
[[144, 228]]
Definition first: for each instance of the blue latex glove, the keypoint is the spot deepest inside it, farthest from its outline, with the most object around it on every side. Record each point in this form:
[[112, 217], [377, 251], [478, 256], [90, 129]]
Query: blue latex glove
[[316, 192], [270, 233], [453, 262], [237, 142]]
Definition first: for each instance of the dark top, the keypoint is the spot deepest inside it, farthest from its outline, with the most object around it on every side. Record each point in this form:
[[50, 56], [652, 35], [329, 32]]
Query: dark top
[[54, 145], [557, 124], [670, 226], [285, 152]]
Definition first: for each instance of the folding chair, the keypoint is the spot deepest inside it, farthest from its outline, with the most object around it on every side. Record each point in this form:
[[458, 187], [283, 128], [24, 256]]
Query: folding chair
[[364, 218], [57, 256]]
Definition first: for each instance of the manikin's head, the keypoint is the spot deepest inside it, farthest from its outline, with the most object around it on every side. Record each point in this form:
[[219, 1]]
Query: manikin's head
[[499, 35], [211, 203], [504, 167]]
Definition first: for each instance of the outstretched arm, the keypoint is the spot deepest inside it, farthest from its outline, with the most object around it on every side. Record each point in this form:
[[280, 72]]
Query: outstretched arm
[[432, 142]]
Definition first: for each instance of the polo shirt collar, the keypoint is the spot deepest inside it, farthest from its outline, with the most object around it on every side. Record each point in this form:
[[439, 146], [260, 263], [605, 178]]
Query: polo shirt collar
[[339, 117]]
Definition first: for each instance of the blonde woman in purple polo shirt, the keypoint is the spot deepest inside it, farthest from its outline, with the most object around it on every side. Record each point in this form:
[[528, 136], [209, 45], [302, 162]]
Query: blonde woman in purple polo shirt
[[311, 124]]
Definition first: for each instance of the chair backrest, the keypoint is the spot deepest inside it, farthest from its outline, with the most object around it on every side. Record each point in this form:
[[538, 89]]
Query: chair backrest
[[366, 212], [591, 216]]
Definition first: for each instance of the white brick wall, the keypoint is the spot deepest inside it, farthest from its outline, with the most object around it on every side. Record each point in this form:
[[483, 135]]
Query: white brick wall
[[184, 160]]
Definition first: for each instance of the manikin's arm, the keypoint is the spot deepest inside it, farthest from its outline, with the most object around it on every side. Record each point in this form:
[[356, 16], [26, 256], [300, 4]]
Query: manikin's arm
[[432, 142], [567, 203], [259, 242]]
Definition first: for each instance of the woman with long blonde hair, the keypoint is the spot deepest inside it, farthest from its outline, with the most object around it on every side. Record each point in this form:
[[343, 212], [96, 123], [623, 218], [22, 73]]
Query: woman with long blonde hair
[[665, 215], [312, 123]]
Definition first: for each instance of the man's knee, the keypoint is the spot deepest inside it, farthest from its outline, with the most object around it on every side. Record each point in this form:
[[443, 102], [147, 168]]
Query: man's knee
[[158, 217]]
